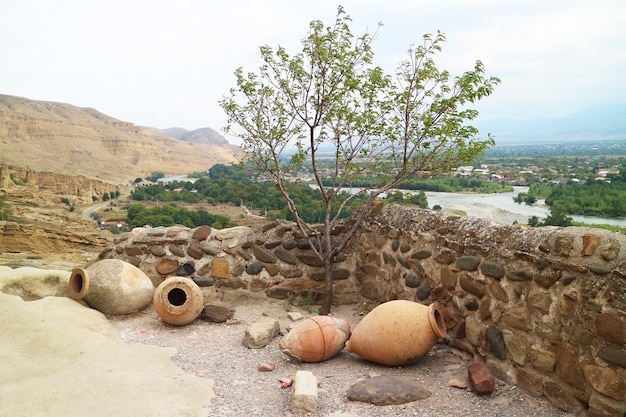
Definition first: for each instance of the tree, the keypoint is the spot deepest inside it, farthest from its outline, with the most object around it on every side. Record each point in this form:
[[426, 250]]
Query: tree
[[331, 95]]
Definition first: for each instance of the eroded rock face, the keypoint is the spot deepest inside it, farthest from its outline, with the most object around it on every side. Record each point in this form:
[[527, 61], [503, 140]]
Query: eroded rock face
[[66, 339]]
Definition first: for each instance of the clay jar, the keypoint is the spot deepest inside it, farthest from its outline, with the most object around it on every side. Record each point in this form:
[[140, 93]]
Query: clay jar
[[316, 339], [178, 301], [397, 333], [111, 286]]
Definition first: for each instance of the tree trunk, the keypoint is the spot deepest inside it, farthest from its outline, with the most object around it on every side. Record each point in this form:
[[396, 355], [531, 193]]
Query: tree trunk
[[327, 301]]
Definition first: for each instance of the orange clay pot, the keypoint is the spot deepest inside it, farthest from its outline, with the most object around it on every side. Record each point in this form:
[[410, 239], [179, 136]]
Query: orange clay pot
[[397, 333], [178, 301], [316, 339]]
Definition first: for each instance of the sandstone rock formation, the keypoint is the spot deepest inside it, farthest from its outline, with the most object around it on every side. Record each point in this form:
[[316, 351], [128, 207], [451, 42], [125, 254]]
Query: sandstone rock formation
[[72, 363], [62, 138]]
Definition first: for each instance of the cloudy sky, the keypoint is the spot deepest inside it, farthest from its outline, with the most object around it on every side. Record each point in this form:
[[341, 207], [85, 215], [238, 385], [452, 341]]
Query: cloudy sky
[[167, 63]]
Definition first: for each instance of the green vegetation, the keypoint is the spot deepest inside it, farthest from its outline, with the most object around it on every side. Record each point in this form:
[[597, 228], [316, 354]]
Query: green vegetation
[[386, 127], [5, 209], [170, 214], [232, 185], [595, 198], [154, 177]]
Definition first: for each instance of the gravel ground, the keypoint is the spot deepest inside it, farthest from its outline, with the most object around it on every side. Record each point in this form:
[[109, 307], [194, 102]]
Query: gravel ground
[[214, 351]]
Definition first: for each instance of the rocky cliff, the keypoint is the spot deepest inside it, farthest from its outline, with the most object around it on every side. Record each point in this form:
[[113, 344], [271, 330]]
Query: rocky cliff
[[57, 137]]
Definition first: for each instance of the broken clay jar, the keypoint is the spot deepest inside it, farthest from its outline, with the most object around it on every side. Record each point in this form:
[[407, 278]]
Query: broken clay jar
[[316, 339], [111, 286], [397, 332], [178, 301]]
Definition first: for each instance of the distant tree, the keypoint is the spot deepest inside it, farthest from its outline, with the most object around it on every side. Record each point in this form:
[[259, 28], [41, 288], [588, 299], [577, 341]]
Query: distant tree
[[557, 217], [154, 177], [137, 180], [106, 197], [534, 221], [384, 127], [94, 198]]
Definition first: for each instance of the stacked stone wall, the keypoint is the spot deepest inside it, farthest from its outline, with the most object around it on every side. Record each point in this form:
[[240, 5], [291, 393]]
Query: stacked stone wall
[[545, 308]]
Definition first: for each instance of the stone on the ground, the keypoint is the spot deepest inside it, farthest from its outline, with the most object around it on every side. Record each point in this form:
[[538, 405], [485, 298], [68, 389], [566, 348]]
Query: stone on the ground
[[304, 392], [481, 378], [260, 333], [387, 390], [72, 354], [295, 316], [217, 312]]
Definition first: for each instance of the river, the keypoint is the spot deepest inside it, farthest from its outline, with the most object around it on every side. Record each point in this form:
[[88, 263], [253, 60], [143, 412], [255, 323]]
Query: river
[[501, 207]]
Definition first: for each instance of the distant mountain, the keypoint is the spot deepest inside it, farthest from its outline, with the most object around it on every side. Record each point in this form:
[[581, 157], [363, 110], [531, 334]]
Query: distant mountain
[[203, 135], [70, 140], [603, 122]]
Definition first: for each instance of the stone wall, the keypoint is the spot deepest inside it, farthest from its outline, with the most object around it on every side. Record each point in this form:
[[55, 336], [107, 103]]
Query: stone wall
[[545, 308]]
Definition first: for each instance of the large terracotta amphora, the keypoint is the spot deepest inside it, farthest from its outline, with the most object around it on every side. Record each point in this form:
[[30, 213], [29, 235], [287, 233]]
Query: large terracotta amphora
[[397, 332], [178, 300], [111, 286]]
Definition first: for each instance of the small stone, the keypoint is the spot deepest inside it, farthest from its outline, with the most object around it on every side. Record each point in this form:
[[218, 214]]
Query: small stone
[[254, 268], [423, 291], [203, 281], [157, 250], [612, 328], [263, 255], [520, 275], [260, 333], [295, 316], [177, 250], [201, 232], [481, 378], [468, 263], [290, 244], [285, 256], [217, 312], [496, 342], [492, 269], [267, 367], [458, 383], [304, 392], [166, 266], [411, 281], [186, 269], [387, 390], [402, 260]]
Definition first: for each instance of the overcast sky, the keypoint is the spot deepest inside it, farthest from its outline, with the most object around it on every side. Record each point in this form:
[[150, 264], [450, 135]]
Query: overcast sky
[[167, 63]]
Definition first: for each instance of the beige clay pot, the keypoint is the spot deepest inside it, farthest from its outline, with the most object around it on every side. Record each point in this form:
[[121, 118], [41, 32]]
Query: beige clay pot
[[397, 332], [178, 301], [111, 286], [316, 339]]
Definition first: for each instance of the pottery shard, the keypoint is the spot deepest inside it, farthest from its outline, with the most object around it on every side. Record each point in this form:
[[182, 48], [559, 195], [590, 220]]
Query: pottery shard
[[201, 233], [387, 390], [481, 378], [166, 266]]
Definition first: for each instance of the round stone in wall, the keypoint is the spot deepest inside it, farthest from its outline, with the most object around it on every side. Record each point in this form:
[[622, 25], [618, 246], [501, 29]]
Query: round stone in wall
[[166, 266]]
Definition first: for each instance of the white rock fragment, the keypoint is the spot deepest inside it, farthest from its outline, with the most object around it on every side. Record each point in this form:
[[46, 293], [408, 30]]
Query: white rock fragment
[[304, 392]]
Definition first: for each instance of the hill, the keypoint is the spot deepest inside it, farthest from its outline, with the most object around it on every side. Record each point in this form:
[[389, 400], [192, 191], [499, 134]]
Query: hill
[[70, 140], [597, 123], [204, 135]]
